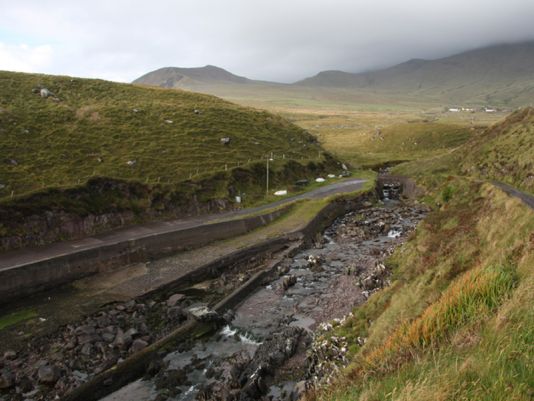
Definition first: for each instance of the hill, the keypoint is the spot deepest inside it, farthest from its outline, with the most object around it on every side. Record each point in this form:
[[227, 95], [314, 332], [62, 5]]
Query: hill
[[96, 148], [174, 77], [500, 74], [505, 151], [501, 152]]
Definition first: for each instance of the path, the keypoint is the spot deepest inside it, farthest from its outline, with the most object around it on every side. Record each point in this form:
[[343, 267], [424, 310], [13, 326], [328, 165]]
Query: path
[[17, 258]]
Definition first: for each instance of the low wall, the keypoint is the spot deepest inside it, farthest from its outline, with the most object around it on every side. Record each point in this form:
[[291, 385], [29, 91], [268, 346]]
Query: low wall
[[409, 187], [23, 280]]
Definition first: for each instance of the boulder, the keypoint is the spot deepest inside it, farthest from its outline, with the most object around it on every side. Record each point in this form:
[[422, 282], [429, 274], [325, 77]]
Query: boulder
[[289, 281], [174, 299], [7, 379], [48, 374], [138, 345], [10, 355]]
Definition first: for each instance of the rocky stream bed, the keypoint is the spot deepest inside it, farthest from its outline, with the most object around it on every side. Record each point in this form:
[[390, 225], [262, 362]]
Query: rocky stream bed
[[265, 348]]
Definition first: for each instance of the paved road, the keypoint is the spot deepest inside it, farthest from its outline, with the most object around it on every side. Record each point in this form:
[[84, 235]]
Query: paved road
[[13, 259], [528, 199]]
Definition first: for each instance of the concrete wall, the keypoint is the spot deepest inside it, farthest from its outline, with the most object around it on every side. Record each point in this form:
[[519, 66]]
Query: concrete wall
[[28, 279], [409, 187]]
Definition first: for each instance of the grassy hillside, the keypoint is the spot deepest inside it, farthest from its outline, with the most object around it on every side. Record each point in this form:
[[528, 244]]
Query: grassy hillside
[[97, 155], [364, 142], [502, 152], [505, 151], [100, 128], [457, 321]]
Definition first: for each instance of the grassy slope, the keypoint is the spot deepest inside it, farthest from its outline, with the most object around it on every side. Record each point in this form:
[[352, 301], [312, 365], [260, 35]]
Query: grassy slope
[[457, 322], [60, 144], [505, 151], [502, 152]]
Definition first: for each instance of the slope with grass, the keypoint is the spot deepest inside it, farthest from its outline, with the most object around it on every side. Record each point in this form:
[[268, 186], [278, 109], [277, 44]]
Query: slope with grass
[[119, 152], [457, 321], [503, 152]]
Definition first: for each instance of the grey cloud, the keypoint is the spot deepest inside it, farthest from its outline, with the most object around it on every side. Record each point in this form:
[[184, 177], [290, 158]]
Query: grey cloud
[[282, 40]]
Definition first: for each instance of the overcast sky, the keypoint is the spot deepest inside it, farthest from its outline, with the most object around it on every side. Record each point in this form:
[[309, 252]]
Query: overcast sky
[[282, 40]]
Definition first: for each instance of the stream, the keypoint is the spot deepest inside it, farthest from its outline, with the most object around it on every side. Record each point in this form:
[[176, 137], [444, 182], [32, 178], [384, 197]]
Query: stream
[[262, 353]]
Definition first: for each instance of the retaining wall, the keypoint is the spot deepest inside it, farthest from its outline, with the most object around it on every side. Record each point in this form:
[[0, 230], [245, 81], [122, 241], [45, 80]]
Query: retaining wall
[[46, 274]]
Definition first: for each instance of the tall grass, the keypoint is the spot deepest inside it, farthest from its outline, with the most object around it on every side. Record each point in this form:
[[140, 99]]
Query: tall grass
[[473, 295]]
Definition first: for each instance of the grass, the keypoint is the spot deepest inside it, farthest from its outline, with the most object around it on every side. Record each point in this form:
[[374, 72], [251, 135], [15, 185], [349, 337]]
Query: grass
[[456, 322], [16, 317], [97, 127], [134, 154]]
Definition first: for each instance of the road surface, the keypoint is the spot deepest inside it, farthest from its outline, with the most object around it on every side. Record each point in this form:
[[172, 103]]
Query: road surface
[[14, 259]]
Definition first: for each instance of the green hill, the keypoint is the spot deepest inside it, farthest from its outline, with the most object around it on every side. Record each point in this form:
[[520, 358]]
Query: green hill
[[502, 152], [96, 147], [505, 151]]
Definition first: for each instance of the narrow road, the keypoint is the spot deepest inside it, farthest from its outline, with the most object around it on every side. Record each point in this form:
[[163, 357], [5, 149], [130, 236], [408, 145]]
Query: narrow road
[[13, 259], [527, 199]]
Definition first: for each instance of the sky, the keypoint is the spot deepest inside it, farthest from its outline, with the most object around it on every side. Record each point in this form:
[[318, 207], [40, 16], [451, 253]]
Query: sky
[[279, 40]]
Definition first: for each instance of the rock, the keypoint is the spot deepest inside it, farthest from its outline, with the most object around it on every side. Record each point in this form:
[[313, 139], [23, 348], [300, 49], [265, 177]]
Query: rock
[[298, 391], [204, 314], [226, 140], [44, 92], [174, 299], [131, 163], [87, 349], [121, 340], [48, 374], [7, 379], [108, 337], [196, 111], [138, 345], [176, 313], [289, 281], [10, 355]]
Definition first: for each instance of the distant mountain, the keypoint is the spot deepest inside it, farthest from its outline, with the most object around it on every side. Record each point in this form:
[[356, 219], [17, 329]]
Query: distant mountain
[[500, 75], [174, 77]]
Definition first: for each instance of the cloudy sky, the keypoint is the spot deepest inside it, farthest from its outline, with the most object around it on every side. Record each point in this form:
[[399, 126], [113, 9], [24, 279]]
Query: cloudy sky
[[283, 40]]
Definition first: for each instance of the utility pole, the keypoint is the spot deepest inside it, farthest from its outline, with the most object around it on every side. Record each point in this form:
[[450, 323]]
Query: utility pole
[[267, 175]]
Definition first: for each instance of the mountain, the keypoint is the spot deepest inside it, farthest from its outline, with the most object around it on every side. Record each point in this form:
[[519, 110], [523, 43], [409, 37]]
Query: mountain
[[174, 77], [500, 75], [503, 74]]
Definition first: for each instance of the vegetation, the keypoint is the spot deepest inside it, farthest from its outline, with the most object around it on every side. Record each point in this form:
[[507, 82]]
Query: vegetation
[[457, 321], [133, 153], [147, 135], [503, 152]]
